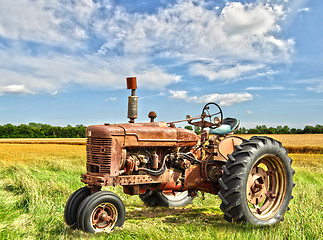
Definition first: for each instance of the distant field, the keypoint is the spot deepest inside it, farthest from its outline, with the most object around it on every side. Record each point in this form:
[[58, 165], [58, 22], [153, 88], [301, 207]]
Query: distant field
[[295, 143], [294, 140], [68, 141]]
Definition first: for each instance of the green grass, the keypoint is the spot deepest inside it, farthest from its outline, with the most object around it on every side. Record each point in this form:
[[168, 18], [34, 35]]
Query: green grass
[[33, 194]]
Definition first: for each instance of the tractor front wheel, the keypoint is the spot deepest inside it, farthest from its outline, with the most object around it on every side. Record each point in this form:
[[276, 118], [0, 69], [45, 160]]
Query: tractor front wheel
[[73, 204], [257, 182], [101, 212]]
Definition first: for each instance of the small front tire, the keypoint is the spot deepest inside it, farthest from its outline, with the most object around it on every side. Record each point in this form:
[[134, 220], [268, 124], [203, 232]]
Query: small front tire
[[73, 204], [101, 212]]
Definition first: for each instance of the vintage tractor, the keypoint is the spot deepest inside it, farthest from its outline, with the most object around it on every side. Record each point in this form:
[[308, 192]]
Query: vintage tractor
[[167, 166]]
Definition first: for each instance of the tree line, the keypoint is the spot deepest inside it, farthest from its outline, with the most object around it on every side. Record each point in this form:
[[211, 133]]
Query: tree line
[[271, 130], [38, 130], [280, 130]]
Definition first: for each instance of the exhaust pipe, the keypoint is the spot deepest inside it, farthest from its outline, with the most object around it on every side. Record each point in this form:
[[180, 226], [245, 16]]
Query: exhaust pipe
[[132, 100]]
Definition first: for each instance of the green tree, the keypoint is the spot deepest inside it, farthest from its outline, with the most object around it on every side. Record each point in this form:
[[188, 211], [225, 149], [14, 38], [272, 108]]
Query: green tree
[[309, 129], [197, 130], [319, 128], [285, 130]]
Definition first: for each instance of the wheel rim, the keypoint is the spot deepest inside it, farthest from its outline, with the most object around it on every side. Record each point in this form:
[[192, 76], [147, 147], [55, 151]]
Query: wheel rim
[[104, 217], [266, 187], [177, 196]]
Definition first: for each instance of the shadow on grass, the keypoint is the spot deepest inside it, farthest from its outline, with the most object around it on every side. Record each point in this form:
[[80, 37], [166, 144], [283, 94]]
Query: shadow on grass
[[199, 216]]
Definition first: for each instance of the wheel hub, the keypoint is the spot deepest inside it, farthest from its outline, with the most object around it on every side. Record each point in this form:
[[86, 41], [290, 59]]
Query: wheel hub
[[257, 185], [104, 217], [266, 187]]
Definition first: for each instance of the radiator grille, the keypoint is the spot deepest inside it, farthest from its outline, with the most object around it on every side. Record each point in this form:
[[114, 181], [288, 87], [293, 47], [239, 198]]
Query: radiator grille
[[98, 155]]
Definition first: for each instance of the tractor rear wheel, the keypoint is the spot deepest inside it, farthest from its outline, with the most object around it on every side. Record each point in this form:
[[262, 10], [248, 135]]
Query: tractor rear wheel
[[257, 182], [156, 198]]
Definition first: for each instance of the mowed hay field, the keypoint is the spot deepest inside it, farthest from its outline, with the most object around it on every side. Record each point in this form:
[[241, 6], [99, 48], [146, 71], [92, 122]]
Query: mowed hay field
[[37, 179]]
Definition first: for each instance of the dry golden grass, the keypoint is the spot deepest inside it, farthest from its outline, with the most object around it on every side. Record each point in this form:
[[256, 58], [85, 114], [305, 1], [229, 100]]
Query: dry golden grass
[[12, 154], [294, 143], [66, 141], [290, 140], [294, 140]]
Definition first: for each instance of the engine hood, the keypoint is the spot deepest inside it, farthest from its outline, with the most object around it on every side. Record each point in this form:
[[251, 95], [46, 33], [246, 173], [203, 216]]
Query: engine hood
[[145, 134]]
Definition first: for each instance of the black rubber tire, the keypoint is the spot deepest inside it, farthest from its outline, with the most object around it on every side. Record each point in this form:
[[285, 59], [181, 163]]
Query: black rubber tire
[[73, 204], [84, 214], [155, 198], [236, 171]]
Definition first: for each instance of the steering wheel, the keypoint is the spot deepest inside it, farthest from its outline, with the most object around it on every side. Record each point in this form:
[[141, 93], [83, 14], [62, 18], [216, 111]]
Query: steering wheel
[[213, 112]]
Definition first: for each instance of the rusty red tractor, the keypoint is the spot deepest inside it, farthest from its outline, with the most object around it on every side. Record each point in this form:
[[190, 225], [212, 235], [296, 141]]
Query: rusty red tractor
[[167, 166]]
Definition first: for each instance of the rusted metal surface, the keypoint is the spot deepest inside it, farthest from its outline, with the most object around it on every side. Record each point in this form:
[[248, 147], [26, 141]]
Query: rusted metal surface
[[152, 115], [146, 134], [104, 217], [129, 180], [156, 155], [194, 180], [107, 156], [131, 83], [132, 100], [266, 187], [226, 146]]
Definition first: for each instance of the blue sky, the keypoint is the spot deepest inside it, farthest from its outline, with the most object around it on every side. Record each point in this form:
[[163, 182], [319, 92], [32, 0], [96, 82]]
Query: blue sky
[[65, 62]]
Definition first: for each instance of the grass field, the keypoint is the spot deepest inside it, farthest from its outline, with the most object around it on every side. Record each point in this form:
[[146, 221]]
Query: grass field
[[37, 179]]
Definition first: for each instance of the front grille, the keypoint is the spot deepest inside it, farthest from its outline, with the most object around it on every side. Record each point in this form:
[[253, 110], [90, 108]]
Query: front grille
[[98, 155]]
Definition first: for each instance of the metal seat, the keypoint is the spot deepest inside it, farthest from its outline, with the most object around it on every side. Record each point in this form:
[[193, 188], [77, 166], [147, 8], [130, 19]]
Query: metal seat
[[228, 125]]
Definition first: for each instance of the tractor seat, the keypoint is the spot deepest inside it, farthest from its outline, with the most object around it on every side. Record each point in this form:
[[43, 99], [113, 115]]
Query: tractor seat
[[228, 125]]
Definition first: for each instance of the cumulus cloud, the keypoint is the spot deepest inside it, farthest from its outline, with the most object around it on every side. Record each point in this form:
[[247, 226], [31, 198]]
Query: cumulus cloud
[[191, 31], [227, 99], [14, 89], [44, 21], [100, 43], [51, 75]]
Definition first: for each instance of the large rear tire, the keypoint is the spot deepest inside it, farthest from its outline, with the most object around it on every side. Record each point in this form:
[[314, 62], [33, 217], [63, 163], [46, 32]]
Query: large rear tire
[[155, 198], [257, 182]]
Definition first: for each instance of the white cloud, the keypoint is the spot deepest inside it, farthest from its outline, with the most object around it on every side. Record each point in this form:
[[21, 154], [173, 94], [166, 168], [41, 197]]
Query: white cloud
[[250, 112], [52, 22], [265, 88], [241, 31], [50, 75], [227, 99], [315, 84], [239, 40], [14, 89], [110, 99], [304, 10], [213, 72]]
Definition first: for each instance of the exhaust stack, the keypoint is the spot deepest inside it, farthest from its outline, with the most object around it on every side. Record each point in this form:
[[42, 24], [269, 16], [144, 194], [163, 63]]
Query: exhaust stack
[[133, 99]]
